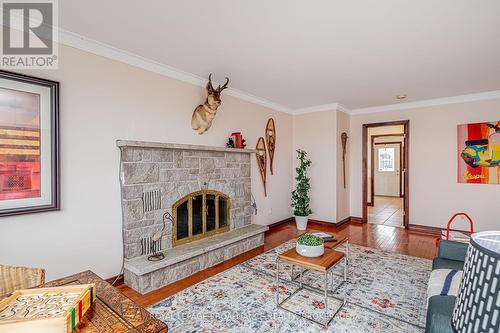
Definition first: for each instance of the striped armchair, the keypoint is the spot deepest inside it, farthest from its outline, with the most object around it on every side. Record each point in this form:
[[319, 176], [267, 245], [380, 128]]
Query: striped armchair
[[14, 278]]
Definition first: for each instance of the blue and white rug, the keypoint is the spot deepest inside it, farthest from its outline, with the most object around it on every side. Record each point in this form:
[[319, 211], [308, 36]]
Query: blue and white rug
[[386, 292]]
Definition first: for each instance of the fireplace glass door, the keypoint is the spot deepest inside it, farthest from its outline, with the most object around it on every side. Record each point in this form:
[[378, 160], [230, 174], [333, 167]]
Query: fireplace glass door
[[200, 214]]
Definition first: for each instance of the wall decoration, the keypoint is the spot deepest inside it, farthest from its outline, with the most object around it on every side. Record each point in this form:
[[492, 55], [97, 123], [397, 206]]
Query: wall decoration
[[29, 144], [262, 161], [271, 141], [479, 153], [344, 137], [236, 141], [204, 113]]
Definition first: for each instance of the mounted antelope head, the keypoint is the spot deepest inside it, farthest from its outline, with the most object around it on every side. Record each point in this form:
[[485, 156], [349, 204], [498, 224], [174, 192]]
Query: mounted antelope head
[[205, 113]]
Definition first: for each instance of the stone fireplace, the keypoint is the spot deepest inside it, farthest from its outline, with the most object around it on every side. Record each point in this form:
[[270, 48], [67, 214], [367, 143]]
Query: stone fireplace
[[207, 190]]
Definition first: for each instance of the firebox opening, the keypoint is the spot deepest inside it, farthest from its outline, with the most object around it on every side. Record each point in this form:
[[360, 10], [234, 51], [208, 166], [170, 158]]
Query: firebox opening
[[199, 215]]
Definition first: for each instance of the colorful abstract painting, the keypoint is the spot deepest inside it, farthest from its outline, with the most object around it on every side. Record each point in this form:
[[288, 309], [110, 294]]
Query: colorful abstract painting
[[29, 144], [19, 144], [479, 153]]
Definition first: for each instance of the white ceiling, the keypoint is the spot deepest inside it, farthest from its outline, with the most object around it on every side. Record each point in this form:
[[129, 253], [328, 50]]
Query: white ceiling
[[299, 54]]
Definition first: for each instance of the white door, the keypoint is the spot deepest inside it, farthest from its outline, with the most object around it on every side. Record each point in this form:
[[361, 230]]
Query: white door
[[387, 169]]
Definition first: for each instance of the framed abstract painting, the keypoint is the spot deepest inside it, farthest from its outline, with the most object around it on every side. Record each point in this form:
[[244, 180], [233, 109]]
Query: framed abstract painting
[[479, 153], [29, 144]]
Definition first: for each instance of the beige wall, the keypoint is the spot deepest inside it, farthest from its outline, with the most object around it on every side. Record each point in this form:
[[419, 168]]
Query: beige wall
[[315, 133], [342, 196], [434, 192], [102, 101]]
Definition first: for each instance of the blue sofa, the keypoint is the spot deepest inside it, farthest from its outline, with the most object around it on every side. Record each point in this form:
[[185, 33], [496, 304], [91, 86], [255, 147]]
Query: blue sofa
[[451, 255]]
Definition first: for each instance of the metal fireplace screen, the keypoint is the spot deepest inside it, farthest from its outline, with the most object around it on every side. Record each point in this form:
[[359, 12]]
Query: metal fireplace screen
[[199, 215]]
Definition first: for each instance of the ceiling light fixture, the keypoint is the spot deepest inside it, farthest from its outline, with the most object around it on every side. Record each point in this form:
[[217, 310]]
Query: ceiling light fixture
[[402, 96]]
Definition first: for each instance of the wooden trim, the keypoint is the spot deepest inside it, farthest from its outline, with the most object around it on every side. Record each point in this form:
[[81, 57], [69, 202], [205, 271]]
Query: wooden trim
[[364, 171], [372, 163], [313, 221], [381, 135], [344, 221], [388, 143], [406, 196], [275, 224], [322, 222], [401, 166], [425, 229], [118, 278], [406, 168], [357, 220], [432, 230]]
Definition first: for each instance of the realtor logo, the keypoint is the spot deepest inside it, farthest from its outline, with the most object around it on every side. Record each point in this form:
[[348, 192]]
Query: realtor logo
[[29, 37]]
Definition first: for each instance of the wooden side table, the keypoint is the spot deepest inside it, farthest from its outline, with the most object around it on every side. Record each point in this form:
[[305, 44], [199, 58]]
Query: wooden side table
[[322, 264], [112, 312], [339, 240]]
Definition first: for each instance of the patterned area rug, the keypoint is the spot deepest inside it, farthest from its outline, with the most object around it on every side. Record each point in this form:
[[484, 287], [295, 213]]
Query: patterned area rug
[[386, 292]]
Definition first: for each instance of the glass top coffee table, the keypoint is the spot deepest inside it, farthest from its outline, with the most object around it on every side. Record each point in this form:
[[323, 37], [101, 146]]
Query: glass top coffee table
[[324, 265]]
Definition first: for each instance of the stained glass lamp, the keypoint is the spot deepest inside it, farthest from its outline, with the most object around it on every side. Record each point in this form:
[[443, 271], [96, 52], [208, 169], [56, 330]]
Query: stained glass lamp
[[477, 309]]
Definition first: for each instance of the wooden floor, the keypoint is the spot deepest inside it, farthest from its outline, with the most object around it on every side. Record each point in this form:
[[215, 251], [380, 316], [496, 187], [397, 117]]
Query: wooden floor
[[382, 237], [386, 211]]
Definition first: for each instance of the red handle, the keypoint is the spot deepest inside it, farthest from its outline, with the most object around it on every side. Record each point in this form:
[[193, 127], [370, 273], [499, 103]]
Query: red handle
[[451, 220]]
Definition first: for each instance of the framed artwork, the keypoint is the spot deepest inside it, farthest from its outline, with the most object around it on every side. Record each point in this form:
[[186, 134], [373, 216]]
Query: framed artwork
[[29, 144], [479, 153]]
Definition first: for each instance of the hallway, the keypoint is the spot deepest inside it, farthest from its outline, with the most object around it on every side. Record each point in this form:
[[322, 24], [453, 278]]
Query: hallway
[[386, 211]]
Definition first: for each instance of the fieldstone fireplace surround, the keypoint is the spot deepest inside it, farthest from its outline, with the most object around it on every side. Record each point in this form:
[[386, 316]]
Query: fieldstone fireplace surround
[[156, 176]]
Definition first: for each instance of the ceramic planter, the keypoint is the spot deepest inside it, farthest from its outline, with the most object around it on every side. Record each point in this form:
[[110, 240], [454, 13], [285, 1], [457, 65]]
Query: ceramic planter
[[301, 222], [310, 251]]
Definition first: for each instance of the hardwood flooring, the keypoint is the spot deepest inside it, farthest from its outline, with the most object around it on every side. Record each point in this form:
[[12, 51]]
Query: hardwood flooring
[[386, 211], [387, 238]]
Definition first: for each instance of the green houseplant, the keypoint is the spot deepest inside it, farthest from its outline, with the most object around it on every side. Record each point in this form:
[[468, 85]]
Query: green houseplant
[[300, 196]]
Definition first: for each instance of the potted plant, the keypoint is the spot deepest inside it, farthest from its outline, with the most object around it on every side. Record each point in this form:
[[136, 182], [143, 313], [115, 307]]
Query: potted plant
[[309, 245], [300, 196]]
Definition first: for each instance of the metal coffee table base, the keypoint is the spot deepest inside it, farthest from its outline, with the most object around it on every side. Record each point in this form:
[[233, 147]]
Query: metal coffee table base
[[303, 286]]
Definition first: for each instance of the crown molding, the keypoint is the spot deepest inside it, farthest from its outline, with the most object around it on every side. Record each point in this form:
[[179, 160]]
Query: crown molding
[[343, 108], [321, 108], [430, 102], [317, 108], [92, 46]]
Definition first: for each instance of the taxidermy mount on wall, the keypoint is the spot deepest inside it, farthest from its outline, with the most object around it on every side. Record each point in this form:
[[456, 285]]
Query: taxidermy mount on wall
[[204, 114]]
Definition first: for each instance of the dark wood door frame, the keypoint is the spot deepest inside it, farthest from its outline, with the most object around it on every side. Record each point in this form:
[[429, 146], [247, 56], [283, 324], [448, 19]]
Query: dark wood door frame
[[372, 165], [405, 169]]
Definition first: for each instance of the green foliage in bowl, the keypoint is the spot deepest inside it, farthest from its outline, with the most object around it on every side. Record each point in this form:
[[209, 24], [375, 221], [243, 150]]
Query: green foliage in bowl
[[310, 240]]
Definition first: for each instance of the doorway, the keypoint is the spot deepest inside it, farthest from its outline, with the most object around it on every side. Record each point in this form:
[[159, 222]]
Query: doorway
[[385, 173]]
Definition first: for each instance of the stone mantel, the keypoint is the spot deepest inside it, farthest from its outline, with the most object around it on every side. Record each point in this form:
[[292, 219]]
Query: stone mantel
[[180, 146]]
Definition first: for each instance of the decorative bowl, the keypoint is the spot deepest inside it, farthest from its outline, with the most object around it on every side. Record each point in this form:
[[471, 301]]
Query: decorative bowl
[[310, 251]]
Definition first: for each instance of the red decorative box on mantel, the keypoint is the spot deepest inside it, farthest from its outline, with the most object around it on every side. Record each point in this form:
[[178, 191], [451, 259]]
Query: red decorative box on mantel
[[238, 140]]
